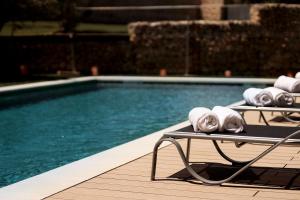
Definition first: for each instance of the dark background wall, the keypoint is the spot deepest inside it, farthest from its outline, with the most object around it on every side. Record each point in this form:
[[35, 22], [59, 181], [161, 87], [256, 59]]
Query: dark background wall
[[267, 45], [136, 3], [127, 16], [49, 54]]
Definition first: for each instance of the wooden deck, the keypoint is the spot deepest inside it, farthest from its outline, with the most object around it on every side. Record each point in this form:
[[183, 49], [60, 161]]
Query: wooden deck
[[276, 176]]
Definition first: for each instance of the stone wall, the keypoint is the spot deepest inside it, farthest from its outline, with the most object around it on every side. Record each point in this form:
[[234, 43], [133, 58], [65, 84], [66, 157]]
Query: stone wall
[[266, 45]]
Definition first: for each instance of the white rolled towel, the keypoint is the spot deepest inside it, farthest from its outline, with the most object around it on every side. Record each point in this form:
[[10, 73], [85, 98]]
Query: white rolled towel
[[280, 97], [229, 119], [288, 84], [258, 97], [297, 75], [203, 120]]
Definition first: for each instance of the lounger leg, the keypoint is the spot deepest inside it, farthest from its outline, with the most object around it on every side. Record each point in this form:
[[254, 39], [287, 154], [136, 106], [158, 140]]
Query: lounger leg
[[219, 182], [181, 153], [188, 149], [154, 158], [286, 115], [243, 117], [264, 118], [242, 114], [239, 144], [259, 118]]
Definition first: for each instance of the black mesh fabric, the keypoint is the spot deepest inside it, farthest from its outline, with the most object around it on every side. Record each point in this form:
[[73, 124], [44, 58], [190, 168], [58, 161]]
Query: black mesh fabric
[[257, 131]]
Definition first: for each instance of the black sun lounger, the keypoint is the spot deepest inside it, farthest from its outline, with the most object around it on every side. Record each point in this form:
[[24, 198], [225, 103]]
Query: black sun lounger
[[285, 111], [273, 135]]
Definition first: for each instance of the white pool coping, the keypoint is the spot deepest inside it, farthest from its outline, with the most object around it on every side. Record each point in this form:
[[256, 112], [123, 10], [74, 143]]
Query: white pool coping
[[188, 79], [56, 180], [147, 79]]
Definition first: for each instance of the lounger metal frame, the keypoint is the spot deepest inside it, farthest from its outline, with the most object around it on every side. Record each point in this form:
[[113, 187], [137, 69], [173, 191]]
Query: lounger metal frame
[[285, 111], [171, 137]]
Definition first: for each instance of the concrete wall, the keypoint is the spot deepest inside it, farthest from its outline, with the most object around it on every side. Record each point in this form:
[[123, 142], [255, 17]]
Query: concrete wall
[[266, 45]]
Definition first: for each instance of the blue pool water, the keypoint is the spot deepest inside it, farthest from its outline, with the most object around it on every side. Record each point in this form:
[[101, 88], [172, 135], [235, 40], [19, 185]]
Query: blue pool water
[[39, 135]]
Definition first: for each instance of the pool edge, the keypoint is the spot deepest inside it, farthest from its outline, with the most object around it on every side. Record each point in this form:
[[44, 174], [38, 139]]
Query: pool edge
[[146, 79]]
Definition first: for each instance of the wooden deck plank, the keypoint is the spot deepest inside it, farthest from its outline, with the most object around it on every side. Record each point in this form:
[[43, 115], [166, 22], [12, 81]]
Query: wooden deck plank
[[182, 184], [270, 194], [132, 180], [161, 189], [169, 186], [161, 193]]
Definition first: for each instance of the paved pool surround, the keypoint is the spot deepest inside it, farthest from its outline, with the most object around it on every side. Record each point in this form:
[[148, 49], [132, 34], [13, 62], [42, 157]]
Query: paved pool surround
[[53, 181]]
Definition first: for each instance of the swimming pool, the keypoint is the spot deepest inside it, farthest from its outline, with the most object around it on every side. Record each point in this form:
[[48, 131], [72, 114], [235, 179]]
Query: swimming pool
[[51, 127]]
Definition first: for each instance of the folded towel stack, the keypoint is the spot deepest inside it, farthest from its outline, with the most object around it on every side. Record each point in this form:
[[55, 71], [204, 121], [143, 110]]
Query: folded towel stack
[[258, 97], [221, 118], [203, 120], [288, 84], [280, 97], [229, 119]]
